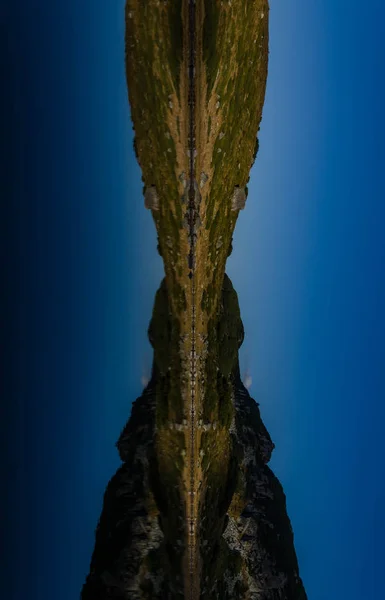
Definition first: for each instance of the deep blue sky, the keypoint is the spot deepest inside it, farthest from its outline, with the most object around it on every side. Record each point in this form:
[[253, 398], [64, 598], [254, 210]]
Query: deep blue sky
[[82, 270]]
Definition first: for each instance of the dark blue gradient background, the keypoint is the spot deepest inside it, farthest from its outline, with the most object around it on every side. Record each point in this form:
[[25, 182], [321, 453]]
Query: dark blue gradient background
[[79, 270]]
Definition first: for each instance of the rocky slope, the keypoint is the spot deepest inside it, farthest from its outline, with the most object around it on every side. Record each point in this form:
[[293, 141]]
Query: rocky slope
[[247, 545], [258, 528], [128, 530]]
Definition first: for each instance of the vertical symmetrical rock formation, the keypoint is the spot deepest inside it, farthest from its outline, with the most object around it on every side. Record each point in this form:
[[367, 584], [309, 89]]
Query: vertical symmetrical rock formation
[[194, 512]]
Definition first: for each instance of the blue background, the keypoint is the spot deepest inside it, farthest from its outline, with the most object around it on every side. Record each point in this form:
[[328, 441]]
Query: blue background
[[80, 269]]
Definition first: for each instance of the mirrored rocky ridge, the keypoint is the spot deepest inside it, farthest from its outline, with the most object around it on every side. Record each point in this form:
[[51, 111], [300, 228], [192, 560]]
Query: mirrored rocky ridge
[[194, 512], [245, 538]]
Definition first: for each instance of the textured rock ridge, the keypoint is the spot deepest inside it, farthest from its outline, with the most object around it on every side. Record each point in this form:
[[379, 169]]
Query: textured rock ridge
[[128, 529], [260, 531]]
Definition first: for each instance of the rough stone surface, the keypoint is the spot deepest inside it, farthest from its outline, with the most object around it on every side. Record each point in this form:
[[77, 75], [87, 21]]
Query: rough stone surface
[[151, 199], [238, 200]]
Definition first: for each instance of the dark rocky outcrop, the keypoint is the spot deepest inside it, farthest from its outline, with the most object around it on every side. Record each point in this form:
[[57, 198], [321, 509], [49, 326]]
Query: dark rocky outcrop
[[261, 532], [128, 530], [246, 535]]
